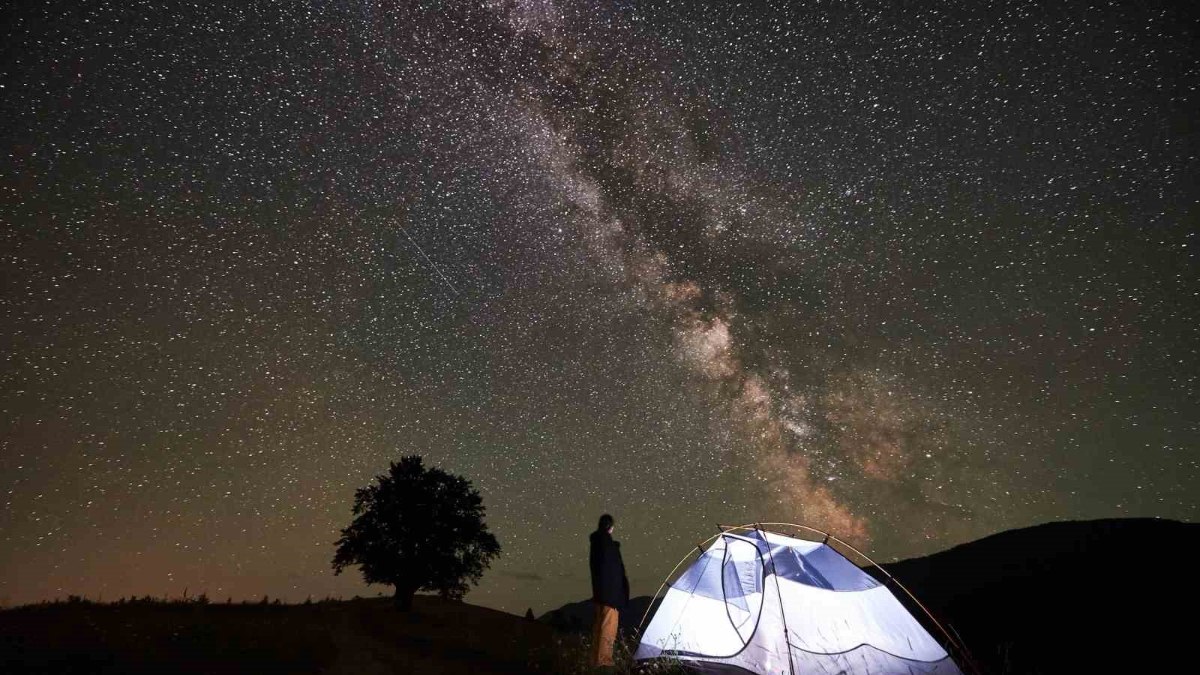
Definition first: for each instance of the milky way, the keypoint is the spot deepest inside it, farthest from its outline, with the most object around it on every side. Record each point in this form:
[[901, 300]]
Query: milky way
[[912, 276]]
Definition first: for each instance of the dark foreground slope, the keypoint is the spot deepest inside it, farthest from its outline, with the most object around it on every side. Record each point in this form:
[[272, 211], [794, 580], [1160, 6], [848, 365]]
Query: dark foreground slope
[[1086, 596], [359, 637]]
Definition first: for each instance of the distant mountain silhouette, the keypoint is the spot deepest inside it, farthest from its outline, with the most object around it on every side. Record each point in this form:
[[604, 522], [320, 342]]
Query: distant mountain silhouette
[[577, 616], [1074, 596]]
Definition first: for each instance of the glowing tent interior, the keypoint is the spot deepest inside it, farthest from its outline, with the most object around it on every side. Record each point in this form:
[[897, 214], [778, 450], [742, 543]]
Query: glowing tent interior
[[761, 602]]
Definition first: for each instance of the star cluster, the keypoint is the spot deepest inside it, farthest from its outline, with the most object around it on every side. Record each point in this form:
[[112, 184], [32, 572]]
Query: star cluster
[[913, 275]]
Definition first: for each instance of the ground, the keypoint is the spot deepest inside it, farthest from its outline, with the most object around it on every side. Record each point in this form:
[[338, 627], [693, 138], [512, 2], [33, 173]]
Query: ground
[[358, 637]]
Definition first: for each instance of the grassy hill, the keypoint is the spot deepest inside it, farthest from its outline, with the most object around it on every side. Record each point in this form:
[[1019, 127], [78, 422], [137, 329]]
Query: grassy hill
[[358, 637]]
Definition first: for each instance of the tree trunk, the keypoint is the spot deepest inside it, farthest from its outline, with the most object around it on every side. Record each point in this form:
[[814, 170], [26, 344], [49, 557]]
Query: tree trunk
[[404, 598]]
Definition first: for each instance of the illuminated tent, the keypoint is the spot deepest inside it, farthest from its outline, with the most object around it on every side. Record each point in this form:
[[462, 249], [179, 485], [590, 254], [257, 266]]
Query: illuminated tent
[[760, 602]]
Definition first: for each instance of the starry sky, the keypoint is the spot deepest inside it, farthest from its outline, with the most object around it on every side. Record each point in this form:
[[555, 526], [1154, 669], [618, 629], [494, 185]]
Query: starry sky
[[913, 273]]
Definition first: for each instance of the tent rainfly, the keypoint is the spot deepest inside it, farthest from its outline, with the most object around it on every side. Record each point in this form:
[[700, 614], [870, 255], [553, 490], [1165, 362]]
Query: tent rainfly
[[761, 602]]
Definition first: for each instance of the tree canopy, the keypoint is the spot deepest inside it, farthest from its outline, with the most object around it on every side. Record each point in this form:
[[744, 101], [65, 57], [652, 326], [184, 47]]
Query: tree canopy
[[418, 529]]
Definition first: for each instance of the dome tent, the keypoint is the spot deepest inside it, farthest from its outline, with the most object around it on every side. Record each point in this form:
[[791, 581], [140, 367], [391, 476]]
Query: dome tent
[[761, 602]]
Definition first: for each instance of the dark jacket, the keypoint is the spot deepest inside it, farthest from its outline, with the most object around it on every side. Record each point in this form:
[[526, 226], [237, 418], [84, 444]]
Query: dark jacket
[[610, 586]]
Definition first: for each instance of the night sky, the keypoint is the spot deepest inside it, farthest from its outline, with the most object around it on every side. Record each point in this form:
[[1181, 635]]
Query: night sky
[[913, 273]]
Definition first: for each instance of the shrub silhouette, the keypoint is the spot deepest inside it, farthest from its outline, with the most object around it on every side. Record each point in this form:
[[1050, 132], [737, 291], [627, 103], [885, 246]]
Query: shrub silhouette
[[418, 529]]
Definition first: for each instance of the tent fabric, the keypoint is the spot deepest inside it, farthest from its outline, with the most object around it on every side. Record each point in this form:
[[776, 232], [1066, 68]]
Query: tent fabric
[[766, 603]]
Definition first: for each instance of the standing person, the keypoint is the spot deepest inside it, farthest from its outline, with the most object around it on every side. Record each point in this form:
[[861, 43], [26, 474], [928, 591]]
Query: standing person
[[610, 590]]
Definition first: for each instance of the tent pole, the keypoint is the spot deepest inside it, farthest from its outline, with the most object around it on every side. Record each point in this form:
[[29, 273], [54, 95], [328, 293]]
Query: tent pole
[[787, 638]]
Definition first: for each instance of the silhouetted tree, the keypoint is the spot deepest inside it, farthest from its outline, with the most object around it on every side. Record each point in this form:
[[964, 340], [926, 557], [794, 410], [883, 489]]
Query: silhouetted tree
[[418, 529]]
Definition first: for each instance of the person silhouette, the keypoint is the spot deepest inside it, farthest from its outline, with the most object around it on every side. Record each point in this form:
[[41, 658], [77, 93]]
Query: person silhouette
[[610, 590]]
